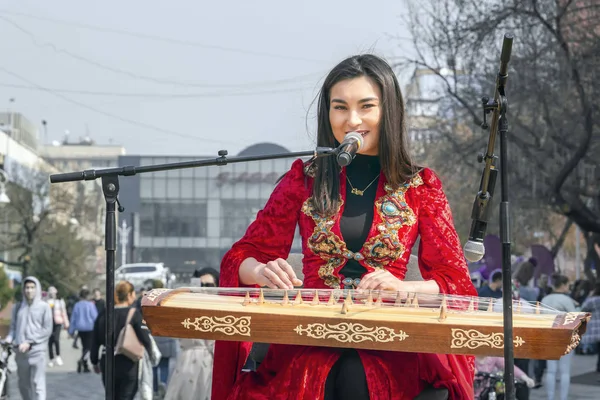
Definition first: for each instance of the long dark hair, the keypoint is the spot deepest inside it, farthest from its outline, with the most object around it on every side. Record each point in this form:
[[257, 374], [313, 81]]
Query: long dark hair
[[525, 271], [207, 271], [394, 155]]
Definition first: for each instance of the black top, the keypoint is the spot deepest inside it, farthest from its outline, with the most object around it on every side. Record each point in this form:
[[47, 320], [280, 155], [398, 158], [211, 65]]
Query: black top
[[100, 305], [357, 218], [120, 315]]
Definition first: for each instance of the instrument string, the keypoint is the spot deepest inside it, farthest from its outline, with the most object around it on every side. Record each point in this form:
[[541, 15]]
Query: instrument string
[[332, 301]]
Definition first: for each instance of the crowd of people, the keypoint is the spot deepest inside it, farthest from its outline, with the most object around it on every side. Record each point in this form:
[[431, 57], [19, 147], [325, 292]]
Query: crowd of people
[[559, 293], [172, 369], [181, 369]]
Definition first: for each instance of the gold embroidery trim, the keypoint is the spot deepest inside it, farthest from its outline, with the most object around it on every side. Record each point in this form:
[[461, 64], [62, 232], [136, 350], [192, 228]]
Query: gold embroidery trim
[[324, 243], [394, 212], [379, 250]]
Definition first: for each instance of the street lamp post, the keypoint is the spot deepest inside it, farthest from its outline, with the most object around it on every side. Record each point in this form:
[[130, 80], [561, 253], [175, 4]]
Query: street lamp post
[[4, 199], [124, 240]]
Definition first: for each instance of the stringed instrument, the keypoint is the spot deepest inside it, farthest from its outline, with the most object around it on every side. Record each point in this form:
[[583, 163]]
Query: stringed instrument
[[375, 320]]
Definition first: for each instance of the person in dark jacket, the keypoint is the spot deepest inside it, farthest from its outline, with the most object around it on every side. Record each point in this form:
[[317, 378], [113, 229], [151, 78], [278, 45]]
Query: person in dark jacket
[[98, 300], [82, 321], [125, 370]]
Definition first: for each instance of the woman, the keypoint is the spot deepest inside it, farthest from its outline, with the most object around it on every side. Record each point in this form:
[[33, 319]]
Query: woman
[[60, 319], [560, 300], [358, 225], [581, 290], [82, 321], [192, 375], [205, 277], [592, 335], [125, 370], [523, 275]]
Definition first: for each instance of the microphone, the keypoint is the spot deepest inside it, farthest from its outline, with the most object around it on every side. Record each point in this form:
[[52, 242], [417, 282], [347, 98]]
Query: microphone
[[348, 148], [474, 249]]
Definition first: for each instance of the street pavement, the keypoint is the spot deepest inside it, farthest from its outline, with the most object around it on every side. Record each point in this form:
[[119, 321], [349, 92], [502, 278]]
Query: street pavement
[[65, 383], [581, 365]]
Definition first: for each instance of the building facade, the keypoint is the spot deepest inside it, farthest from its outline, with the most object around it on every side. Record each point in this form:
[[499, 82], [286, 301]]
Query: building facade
[[83, 154], [188, 218], [25, 172], [89, 210], [20, 129], [430, 110]]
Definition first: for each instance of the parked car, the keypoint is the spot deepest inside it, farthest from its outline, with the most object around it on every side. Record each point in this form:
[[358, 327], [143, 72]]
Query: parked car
[[140, 273]]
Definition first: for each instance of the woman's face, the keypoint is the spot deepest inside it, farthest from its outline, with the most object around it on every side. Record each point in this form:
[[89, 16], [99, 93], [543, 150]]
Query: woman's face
[[355, 106]]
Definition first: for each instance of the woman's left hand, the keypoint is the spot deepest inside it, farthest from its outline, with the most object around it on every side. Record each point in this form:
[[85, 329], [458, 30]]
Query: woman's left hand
[[382, 280]]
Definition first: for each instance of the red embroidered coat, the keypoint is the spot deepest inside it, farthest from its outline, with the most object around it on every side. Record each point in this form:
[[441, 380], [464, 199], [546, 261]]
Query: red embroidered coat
[[299, 372]]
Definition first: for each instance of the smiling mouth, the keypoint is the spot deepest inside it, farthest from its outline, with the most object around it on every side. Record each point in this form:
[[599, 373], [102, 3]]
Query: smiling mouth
[[362, 133]]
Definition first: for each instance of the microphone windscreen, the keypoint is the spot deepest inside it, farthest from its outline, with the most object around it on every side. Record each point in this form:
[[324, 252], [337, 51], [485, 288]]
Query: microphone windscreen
[[357, 136], [474, 251]]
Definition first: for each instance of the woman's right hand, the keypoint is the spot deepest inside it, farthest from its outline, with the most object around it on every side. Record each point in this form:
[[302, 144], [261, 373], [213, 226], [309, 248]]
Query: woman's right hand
[[276, 274]]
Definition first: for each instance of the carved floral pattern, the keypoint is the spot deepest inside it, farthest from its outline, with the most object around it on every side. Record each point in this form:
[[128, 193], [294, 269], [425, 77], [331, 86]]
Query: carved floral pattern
[[575, 339], [154, 293], [570, 318], [229, 325], [349, 332], [473, 339]]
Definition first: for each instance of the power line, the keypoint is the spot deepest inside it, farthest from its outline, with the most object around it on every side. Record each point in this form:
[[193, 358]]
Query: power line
[[97, 64], [146, 36], [156, 95], [110, 115]]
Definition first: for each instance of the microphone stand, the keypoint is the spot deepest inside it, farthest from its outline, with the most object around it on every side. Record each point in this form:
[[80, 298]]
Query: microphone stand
[[110, 188], [499, 108]]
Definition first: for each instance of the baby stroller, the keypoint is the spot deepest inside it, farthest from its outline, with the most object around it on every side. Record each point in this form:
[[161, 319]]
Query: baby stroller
[[5, 353], [491, 387]]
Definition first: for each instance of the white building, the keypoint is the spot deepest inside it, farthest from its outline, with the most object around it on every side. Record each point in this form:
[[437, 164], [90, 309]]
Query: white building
[[25, 165], [429, 106], [81, 155]]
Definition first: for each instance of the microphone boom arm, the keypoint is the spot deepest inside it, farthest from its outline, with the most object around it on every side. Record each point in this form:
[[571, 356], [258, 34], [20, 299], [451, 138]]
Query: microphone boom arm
[[92, 174], [499, 124], [110, 189], [498, 107]]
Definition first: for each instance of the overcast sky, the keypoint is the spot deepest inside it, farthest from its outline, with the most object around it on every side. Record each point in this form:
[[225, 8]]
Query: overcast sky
[[183, 77]]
